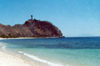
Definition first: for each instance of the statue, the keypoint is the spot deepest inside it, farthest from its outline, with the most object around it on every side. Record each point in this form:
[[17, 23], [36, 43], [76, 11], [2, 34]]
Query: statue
[[31, 17]]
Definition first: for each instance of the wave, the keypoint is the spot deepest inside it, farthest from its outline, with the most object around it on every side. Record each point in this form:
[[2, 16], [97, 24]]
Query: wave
[[3, 46], [40, 60]]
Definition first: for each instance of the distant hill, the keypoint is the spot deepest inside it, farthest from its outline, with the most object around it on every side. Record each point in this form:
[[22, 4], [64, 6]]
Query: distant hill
[[31, 28]]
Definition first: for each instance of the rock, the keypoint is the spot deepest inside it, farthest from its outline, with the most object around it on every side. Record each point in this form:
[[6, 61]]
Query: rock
[[31, 28]]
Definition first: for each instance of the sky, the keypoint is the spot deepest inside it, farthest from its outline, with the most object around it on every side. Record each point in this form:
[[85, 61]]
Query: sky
[[75, 18]]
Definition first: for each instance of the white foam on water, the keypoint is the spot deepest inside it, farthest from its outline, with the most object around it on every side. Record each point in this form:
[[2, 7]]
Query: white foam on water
[[2, 45], [40, 60]]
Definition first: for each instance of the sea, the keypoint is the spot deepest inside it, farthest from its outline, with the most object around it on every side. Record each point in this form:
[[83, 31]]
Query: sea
[[69, 51]]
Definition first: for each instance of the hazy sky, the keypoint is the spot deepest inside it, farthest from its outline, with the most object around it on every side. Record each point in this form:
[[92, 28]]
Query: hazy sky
[[72, 17]]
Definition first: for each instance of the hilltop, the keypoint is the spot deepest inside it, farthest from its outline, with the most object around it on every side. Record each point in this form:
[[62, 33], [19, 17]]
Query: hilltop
[[31, 28]]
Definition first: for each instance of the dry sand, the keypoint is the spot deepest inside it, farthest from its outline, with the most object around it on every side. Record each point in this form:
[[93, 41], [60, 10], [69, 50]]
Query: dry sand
[[7, 59]]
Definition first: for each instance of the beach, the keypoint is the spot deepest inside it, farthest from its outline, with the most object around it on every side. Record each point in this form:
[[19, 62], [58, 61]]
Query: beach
[[50, 51], [20, 58], [7, 59], [10, 60]]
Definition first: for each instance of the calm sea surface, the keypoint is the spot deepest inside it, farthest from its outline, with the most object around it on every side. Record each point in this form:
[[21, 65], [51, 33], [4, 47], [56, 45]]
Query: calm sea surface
[[75, 51]]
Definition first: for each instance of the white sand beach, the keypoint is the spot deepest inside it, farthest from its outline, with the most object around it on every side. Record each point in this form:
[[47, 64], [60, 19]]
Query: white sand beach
[[10, 58], [7, 59]]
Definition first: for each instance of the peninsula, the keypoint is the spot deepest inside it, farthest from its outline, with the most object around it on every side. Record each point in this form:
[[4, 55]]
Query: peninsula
[[31, 28]]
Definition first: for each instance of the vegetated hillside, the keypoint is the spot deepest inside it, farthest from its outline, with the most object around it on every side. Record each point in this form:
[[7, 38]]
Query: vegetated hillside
[[31, 28]]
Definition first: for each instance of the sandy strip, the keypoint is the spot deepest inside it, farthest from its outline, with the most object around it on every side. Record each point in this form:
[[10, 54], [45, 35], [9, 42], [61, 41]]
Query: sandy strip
[[18, 59], [7, 59], [22, 38]]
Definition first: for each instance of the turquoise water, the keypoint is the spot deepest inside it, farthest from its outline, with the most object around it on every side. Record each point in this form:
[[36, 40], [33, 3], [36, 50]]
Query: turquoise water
[[71, 57], [62, 51]]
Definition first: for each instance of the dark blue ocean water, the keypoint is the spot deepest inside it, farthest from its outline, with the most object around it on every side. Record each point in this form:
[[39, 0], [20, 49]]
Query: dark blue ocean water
[[62, 43], [72, 51]]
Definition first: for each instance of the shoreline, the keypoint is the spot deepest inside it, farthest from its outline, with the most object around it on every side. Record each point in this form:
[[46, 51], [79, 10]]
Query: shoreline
[[30, 59], [14, 58], [30, 37], [17, 59], [7, 59]]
